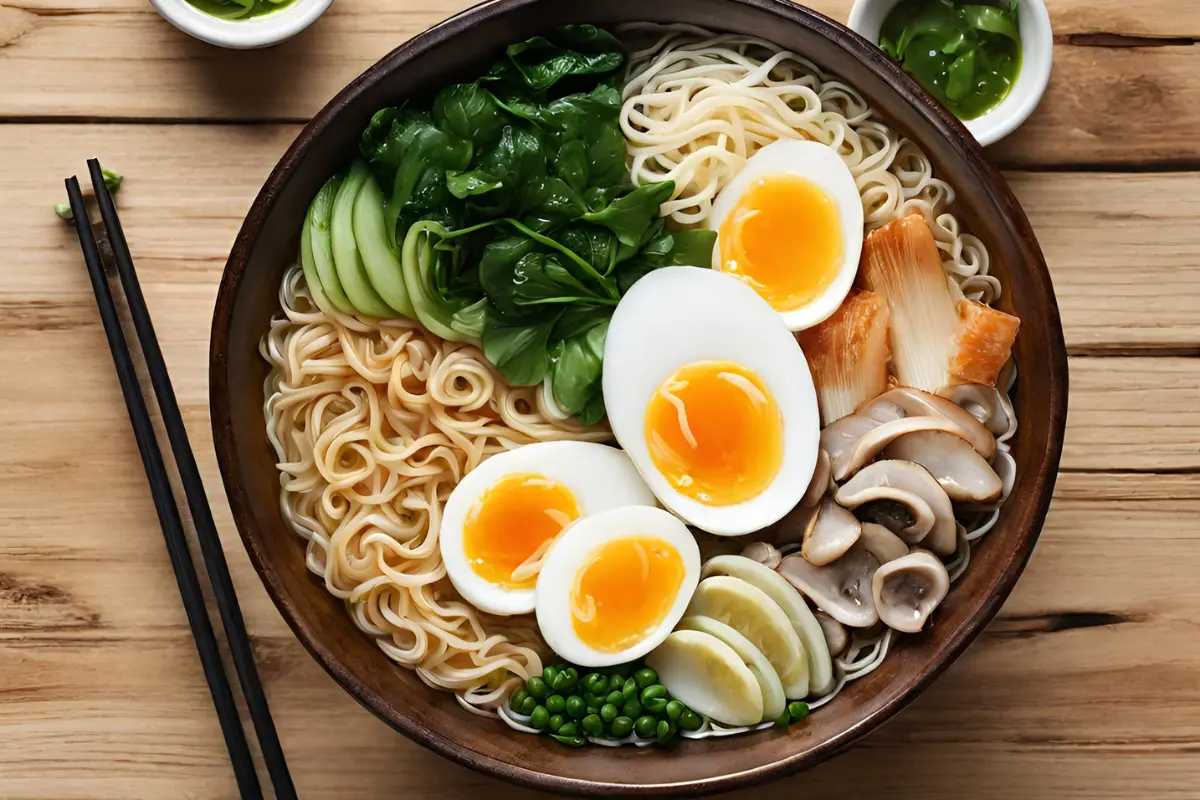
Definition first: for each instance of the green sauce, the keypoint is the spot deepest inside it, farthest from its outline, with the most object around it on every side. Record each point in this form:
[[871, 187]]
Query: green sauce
[[966, 54], [239, 9]]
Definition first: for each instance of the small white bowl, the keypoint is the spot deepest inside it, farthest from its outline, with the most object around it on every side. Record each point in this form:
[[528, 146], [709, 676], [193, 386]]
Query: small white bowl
[[1037, 55], [245, 34]]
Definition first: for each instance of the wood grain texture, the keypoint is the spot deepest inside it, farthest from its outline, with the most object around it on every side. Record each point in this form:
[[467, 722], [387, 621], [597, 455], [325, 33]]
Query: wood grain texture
[[1109, 103]]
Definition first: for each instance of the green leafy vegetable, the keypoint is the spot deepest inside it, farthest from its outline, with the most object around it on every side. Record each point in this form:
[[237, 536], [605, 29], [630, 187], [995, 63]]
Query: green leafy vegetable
[[112, 182]]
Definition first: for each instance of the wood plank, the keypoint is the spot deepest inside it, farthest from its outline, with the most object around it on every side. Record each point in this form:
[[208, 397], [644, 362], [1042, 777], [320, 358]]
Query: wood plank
[[59, 68], [1126, 268], [1088, 620]]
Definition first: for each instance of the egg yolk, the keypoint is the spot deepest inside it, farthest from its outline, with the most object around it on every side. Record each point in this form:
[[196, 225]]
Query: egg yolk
[[624, 590], [513, 524], [784, 239], [715, 432]]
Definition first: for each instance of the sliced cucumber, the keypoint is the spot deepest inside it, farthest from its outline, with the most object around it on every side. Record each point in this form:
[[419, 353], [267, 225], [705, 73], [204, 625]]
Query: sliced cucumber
[[320, 212], [346, 257], [310, 267], [370, 233]]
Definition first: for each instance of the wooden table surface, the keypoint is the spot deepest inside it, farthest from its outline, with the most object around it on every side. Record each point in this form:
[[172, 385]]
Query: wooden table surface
[[1086, 686]]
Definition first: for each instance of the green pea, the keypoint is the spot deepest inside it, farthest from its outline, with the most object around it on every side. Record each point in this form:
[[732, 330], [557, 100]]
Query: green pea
[[621, 727], [556, 722], [539, 719], [622, 670], [615, 698], [574, 673], [664, 731], [555, 703], [654, 698], [570, 741], [564, 681], [537, 688], [592, 725], [645, 727], [609, 712], [629, 689], [689, 720], [596, 683], [568, 729], [784, 720], [675, 710], [632, 709], [615, 682], [517, 699], [528, 705], [575, 706], [645, 677], [797, 710], [593, 710], [595, 700], [549, 674]]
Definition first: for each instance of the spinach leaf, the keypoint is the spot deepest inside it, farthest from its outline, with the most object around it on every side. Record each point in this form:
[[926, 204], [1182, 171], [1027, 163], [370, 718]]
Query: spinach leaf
[[470, 184], [578, 50], [468, 111], [683, 249], [576, 370], [630, 216], [578, 319], [519, 277], [519, 352], [991, 20], [548, 201]]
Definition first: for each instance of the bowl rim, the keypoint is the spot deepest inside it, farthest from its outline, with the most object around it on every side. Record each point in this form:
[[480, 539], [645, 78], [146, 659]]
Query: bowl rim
[[1045, 464], [246, 34]]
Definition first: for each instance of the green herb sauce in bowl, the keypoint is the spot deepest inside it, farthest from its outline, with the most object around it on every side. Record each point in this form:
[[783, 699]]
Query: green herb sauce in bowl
[[968, 55], [239, 9]]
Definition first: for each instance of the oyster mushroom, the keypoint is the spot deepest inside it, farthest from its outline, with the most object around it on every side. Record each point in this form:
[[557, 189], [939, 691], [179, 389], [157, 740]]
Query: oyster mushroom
[[905, 499], [822, 479], [984, 403], [961, 471], [906, 591], [841, 589], [882, 543], [835, 633], [830, 533], [762, 552], [923, 404]]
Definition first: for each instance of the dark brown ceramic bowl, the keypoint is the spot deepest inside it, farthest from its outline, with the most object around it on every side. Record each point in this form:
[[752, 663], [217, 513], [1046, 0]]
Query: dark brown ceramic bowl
[[454, 50]]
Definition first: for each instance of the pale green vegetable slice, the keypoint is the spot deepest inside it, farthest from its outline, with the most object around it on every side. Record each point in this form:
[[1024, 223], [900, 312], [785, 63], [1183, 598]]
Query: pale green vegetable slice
[[310, 267], [321, 242], [774, 702], [821, 679], [753, 614], [374, 244], [419, 260], [706, 674], [347, 259]]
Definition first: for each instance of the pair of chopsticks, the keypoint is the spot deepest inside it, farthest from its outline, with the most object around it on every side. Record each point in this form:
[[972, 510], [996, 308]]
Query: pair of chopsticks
[[164, 501]]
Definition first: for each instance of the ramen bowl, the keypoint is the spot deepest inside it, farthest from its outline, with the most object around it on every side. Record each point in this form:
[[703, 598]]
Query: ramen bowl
[[248, 298]]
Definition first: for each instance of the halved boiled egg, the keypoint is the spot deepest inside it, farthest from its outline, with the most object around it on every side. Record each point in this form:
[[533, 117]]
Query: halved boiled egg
[[615, 584], [710, 395], [503, 517], [790, 226]]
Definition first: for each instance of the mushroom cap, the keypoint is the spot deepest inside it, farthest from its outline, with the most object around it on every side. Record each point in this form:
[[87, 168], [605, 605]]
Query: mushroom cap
[[916, 490], [830, 533], [907, 590], [917, 403], [841, 589], [984, 403], [763, 553], [835, 633], [822, 480], [850, 459], [950, 459], [882, 543]]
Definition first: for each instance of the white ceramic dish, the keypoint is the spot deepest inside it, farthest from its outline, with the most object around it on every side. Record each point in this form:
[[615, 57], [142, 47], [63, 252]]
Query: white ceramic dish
[[1037, 46], [246, 34]]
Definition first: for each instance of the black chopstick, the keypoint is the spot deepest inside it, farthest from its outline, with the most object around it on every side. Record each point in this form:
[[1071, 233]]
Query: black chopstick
[[210, 546]]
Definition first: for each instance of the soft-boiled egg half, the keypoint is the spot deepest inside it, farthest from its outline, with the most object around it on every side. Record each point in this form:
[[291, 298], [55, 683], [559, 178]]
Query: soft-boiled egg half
[[710, 395], [790, 226], [615, 585], [505, 515]]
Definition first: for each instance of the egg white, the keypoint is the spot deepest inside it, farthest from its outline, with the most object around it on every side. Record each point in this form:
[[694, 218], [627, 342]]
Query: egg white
[[680, 315], [823, 166], [600, 477], [572, 552]]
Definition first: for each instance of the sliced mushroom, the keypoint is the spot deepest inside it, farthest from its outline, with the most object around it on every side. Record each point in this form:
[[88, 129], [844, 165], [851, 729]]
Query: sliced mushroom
[[950, 459], [923, 404], [907, 590], [842, 589], [1006, 469], [764, 553], [905, 499], [835, 633], [984, 403], [882, 543], [851, 459], [821, 481], [829, 534], [790, 529]]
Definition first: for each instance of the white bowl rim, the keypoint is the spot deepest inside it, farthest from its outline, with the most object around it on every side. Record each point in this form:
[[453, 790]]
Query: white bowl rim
[[262, 31], [1037, 51]]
